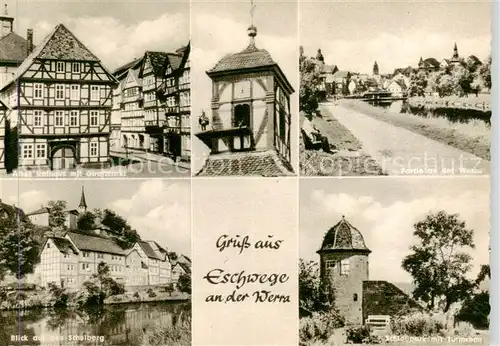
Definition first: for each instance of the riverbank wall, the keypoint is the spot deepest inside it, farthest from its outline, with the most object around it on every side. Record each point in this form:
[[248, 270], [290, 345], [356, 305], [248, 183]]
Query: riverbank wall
[[477, 103]]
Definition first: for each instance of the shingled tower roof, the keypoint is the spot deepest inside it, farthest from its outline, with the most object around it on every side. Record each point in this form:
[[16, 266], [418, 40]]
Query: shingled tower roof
[[83, 203], [343, 237]]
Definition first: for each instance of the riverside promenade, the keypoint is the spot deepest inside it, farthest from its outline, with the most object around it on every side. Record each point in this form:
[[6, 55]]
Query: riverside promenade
[[402, 152]]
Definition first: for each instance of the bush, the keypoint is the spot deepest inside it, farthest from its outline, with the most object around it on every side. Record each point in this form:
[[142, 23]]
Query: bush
[[319, 326], [178, 334], [464, 329], [476, 310], [417, 324], [358, 334]]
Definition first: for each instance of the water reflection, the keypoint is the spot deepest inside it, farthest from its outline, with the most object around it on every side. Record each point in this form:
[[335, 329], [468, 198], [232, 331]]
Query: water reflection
[[454, 115], [121, 324]]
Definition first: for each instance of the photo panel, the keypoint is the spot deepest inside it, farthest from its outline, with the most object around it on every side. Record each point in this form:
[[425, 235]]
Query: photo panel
[[245, 88], [407, 92], [98, 89], [245, 262], [375, 265], [89, 262]]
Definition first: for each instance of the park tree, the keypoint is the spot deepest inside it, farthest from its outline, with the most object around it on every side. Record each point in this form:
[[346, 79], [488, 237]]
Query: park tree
[[314, 295], [57, 214], [309, 94], [438, 263]]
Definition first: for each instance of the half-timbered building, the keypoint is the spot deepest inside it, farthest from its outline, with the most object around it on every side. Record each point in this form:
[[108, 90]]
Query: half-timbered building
[[120, 131], [250, 127], [62, 94], [177, 100], [152, 74]]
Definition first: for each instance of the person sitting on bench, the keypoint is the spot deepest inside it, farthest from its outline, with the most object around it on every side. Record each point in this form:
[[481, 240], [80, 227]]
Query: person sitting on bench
[[317, 140]]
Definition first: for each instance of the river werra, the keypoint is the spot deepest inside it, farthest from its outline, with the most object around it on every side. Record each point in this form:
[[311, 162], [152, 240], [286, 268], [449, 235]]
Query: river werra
[[113, 325]]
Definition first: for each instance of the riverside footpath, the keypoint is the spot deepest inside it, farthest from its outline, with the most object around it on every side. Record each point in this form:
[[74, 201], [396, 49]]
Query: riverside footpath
[[399, 151]]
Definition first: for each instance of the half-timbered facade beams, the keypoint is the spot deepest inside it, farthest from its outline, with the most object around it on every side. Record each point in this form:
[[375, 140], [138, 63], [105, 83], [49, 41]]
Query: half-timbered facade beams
[[63, 101]]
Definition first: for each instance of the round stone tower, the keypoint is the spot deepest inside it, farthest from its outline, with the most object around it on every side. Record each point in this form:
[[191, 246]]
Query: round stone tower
[[344, 266]]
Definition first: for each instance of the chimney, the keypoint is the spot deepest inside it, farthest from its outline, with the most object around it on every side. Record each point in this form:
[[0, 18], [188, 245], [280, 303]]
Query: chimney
[[29, 38]]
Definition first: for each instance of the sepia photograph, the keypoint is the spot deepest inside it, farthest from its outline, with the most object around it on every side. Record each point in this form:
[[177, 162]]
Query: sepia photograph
[[89, 262], [395, 88], [409, 266], [245, 88], [95, 89]]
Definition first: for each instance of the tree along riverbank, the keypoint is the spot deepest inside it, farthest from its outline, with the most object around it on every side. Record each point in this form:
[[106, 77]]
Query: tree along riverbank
[[45, 299], [440, 130]]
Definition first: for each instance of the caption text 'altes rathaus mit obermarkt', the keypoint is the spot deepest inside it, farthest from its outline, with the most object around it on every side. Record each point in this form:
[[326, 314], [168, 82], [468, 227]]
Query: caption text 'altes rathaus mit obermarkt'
[[61, 108]]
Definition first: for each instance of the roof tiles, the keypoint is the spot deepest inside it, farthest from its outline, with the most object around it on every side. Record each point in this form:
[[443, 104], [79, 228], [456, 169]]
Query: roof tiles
[[250, 57], [255, 163]]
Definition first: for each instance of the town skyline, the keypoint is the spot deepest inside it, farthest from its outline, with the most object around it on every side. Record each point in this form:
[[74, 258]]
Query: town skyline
[[152, 207], [382, 217], [124, 32], [391, 31]]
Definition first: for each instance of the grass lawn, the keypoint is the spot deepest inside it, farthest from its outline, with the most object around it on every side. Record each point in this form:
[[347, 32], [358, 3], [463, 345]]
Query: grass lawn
[[460, 136], [347, 160]]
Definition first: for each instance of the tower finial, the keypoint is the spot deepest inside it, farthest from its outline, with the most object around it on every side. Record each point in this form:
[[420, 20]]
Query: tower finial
[[252, 10], [6, 10], [252, 30]]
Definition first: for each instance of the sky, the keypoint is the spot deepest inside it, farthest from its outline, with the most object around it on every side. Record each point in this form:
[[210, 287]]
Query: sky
[[219, 28], [385, 210], [159, 210], [354, 34], [115, 31]]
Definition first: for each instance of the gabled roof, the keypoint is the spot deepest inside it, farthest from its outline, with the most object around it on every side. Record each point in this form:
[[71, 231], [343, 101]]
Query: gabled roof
[[253, 163], [148, 250], [121, 72], [157, 60], [87, 242], [63, 245], [13, 48], [60, 44], [399, 82], [184, 266], [174, 60]]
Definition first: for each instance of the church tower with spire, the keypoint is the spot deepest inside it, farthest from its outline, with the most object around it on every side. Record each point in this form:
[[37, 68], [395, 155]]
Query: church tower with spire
[[375, 69], [250, 127], [82, 207], [455, 59]]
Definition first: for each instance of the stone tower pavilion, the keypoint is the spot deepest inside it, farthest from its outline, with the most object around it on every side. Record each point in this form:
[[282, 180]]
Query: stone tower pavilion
[[344, 266]]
